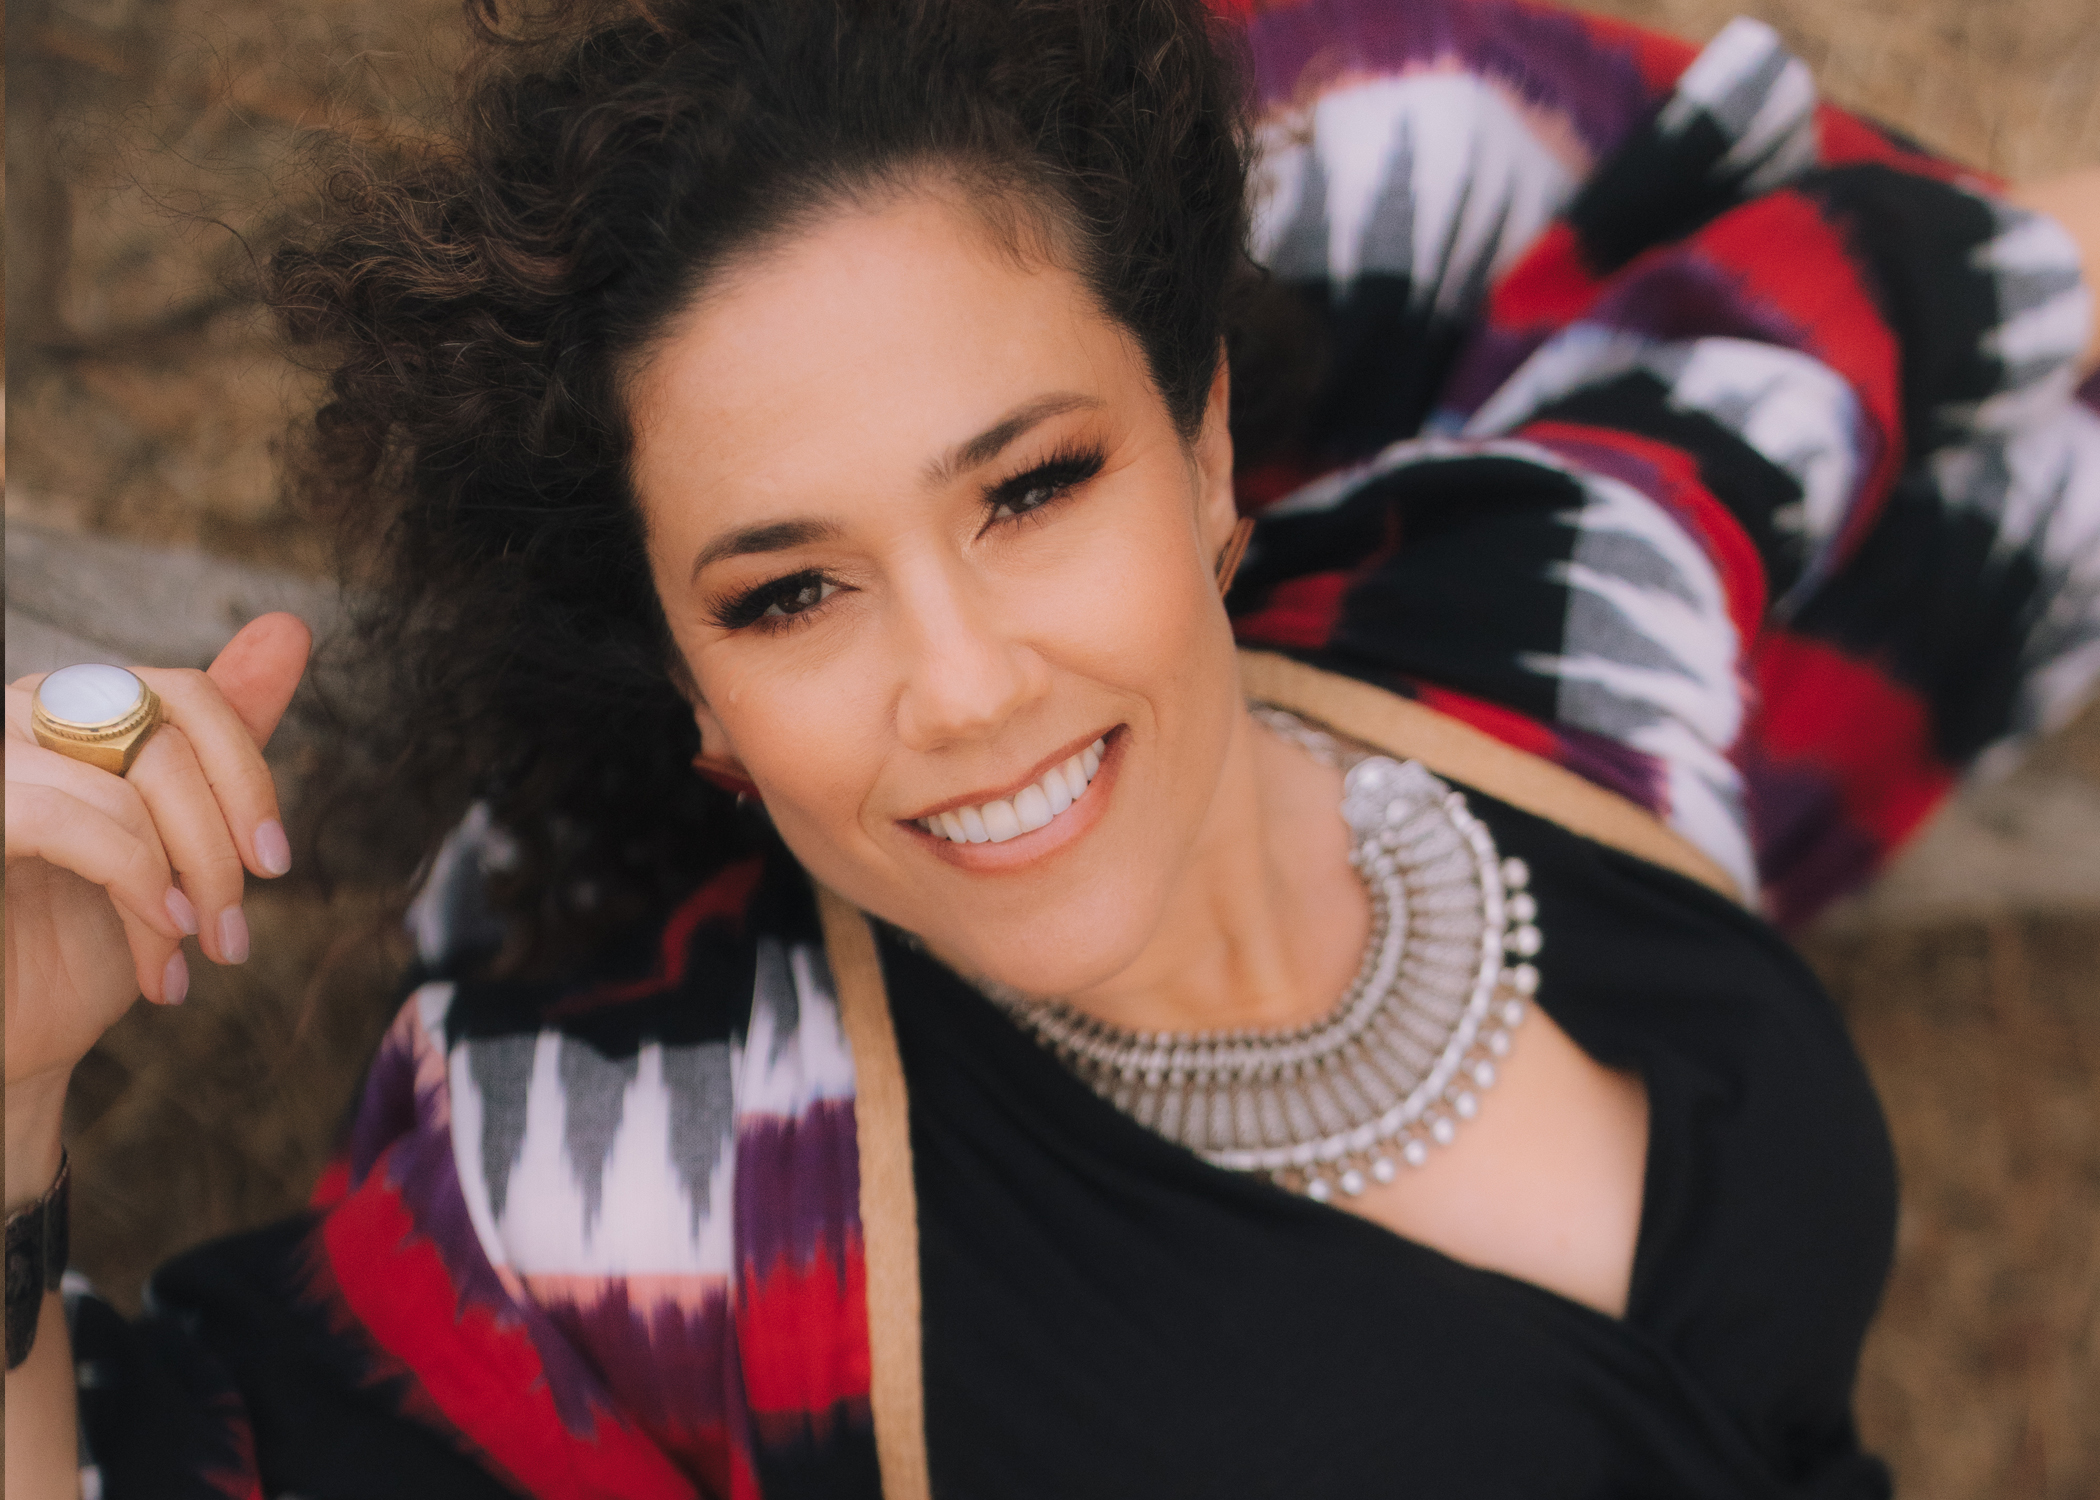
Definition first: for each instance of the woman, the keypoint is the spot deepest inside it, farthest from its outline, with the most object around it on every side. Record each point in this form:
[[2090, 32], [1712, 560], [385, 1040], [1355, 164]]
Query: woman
[[829, 400]]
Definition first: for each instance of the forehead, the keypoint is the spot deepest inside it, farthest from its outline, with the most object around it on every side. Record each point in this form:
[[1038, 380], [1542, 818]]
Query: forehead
[[865, 346]]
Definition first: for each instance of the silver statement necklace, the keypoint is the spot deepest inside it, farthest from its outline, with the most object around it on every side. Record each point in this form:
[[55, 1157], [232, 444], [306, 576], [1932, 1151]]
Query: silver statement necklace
[[1401, 1061]]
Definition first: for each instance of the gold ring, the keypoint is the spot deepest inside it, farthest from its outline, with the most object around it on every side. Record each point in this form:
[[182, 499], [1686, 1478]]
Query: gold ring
[[95, 713]]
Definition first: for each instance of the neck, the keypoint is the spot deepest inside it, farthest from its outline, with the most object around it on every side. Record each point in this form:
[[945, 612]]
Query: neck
[[1267, 926]]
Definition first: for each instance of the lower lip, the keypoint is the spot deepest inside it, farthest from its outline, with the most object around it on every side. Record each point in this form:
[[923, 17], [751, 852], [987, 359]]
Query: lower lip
[[1027, 848]]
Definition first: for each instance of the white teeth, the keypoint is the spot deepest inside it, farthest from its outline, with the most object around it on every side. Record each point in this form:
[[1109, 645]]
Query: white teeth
[[1027, 810], [1000, 820], [1032, 808], [1073, 774]]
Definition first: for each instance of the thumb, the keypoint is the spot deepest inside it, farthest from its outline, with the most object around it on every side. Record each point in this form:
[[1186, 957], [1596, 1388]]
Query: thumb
[[260, 668]]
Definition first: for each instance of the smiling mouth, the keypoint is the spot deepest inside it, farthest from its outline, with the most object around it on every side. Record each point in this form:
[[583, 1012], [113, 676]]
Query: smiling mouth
[[1035, 806]]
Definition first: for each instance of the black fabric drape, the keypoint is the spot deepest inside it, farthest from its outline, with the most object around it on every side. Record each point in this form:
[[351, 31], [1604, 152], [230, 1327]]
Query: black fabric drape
[[1106, 1315]]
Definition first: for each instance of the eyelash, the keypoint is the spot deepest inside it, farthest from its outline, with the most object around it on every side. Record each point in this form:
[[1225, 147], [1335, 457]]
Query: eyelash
[[754, 607], [1053, 479]]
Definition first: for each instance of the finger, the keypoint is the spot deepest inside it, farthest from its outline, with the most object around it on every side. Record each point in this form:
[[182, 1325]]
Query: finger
[[46, 823], [32, 764], [259, 670], [208, 731], [163, 975], [19, 694], [21, 698], [187, 810], [113, 796]]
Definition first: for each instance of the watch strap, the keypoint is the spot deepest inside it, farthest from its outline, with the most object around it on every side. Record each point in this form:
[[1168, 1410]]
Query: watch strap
[[37, 1242]]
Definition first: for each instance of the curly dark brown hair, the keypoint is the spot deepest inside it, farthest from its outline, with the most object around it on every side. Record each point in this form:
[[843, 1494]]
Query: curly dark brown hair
[[476, 304]]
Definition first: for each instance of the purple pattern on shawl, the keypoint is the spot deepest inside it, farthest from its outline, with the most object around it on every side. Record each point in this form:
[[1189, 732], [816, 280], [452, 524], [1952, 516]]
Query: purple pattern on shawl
[[1489, 358], [797, 1186], [1675, 293], [424, 1173], [674, 1370], [392, 1106], [1616, 766], [1550, 59], [1808, 852]]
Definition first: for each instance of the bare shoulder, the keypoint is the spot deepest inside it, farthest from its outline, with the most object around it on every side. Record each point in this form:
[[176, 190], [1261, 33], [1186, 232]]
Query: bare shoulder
[[1546, 1184]]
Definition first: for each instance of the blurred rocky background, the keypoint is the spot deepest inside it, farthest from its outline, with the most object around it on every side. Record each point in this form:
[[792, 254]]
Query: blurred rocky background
[[154, 147]]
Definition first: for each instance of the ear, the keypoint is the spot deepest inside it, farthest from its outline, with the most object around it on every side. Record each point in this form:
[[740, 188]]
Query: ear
[[716, 762], [720, 766], [1217, 510], [714, 740]]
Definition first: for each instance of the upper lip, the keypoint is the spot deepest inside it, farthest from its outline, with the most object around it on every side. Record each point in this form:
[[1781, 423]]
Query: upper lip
[[994, 794]]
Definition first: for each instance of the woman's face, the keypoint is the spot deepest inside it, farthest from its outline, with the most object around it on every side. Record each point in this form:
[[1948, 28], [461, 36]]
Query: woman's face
[[924, 532]]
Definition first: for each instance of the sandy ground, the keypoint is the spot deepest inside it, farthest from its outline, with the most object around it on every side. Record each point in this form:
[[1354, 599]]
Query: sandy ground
[[151, 145], [1984, 1041]]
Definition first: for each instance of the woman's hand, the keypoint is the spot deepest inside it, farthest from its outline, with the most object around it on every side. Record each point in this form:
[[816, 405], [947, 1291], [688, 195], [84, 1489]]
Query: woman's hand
[[106, 874]]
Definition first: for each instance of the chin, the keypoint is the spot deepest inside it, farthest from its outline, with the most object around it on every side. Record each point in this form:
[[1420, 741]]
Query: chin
[[1062, 949], [1049, 974]]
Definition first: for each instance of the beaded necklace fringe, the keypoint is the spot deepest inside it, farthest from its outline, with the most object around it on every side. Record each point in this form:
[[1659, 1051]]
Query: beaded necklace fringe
[[1401, 1061]]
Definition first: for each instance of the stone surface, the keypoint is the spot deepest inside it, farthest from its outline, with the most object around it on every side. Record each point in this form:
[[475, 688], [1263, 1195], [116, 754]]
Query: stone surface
[[89, 598], [155, 153], [2030, 843], [1983, 1039], [33, 646]]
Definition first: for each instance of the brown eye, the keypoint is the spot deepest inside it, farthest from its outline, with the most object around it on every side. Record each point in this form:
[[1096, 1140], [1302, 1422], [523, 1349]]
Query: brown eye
[[771, 603], [1033, 498], [798, 594]]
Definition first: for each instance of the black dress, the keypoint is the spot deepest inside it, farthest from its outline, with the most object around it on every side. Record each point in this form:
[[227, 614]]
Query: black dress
[[1107, 1315]]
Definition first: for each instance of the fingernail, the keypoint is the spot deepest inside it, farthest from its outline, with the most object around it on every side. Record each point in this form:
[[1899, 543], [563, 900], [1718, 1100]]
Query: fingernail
[[272, 849], [174, 981], [233, 936], [183, 914]]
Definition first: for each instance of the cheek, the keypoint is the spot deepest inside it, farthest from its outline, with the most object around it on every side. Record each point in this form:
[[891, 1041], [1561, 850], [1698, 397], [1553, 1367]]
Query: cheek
[[1142, 615], [802, 728], [809, 725]]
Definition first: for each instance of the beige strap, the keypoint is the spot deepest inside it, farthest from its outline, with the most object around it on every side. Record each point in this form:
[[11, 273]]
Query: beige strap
[[1414, 731], [889, 1211]]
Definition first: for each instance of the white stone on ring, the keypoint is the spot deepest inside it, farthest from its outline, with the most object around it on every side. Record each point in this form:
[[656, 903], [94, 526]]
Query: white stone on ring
[[90, 694]]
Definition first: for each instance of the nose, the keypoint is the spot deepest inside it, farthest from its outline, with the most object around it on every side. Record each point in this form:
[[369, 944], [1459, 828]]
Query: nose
[[967, 670]]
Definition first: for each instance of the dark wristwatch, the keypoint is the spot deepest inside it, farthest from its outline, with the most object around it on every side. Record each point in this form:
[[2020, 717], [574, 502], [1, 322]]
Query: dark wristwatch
[[36, 1261]]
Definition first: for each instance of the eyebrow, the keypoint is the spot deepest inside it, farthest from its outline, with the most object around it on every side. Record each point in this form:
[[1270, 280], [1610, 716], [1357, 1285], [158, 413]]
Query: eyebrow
[[775, 536], [991, 442], [780, 536]]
